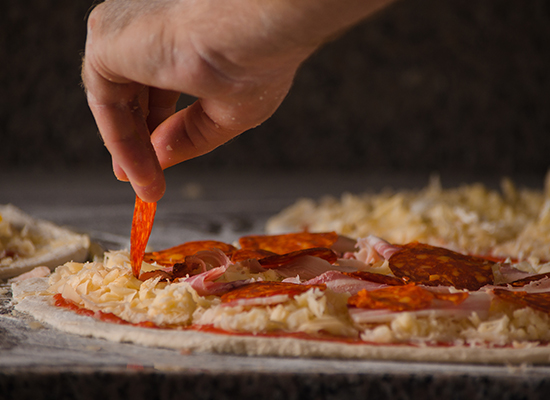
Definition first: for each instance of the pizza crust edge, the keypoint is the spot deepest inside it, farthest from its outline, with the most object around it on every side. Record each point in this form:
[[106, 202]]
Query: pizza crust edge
[[62, 246], [29, 297]]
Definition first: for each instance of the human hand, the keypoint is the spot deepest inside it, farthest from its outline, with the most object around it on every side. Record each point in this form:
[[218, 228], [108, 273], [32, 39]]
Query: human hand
[[237, 57]]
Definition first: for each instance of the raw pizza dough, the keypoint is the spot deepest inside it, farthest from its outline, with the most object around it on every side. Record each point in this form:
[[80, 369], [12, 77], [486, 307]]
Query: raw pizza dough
[[30, 297], [53, 244]]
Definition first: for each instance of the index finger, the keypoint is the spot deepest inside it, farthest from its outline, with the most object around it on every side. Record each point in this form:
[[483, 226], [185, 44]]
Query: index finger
[[123, 127]]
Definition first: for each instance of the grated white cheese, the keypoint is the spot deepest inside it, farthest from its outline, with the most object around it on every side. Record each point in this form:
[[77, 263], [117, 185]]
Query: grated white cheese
[[109, 286], [470, 218], [15, 240]]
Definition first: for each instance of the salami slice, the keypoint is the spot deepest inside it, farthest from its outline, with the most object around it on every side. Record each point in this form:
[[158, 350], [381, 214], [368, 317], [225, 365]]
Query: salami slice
[[278, 260], [402, 298], [287, 243], [267, 289], [250, 254], [530, 279], [433, 266], [538, 301], [142, 224], [177, 254], [378, 278]]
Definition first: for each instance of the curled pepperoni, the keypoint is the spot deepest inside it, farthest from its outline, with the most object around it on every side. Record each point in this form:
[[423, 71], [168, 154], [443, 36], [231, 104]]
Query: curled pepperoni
[[279, 260], [248, 254], [433, 266], [267, 289], [287, 243], [142, 224], [177, 254], [402, 298], [374, 277], [538, 301]]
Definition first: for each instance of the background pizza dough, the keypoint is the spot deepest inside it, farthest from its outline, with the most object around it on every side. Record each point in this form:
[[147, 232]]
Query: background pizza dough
[[53, 245]]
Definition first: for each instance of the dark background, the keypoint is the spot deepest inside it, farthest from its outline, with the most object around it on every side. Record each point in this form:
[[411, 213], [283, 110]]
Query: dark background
[[425, 85]]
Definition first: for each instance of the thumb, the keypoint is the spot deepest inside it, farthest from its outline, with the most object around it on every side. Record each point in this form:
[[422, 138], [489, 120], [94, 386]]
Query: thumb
[[209, 123]]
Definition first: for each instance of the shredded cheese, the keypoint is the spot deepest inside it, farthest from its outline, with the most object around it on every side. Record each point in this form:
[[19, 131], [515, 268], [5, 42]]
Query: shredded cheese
[[470, 219]]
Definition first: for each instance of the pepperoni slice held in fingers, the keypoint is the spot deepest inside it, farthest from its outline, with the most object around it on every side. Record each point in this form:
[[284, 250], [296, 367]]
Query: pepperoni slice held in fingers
[[433, 266], [287, 243], [278, 260], [142, 224], [267, 289], [177, 254], [538, 301]]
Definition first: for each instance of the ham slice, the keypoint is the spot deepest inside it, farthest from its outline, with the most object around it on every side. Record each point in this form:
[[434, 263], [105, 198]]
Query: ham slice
[[341, 283], [213, 263], [373, 249], [478, 302], [205, 286]]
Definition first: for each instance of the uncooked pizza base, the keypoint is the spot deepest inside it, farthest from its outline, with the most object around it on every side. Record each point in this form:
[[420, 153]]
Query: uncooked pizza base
[[30, 297], [61, 244]]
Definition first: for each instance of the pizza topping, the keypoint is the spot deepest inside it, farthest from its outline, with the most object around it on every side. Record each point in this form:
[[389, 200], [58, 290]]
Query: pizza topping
[[315, 311], [204, 284], [288, 243], [471, 218], [373, 249], [177, 254], [250, 254], [433, 266], [267, 289], [14, 242], [537, 301], [378, 278], [142, 224], [340, 282], [402, 298], [277, 261], [506, 273], [530, 280]]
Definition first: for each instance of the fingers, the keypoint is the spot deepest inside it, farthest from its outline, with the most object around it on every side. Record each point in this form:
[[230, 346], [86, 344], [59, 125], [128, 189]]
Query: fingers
[[161, 105], [165, 57], [209, 123], [117, 109]]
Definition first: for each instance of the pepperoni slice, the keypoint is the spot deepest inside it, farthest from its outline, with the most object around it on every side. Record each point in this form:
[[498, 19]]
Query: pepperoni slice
[[267, 289], [525, 281], [433, 266], [287, 243], [374, 277], [402, 298], [538, 301], [177, 254], [277, 260], [247, 254], [142, 224]]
